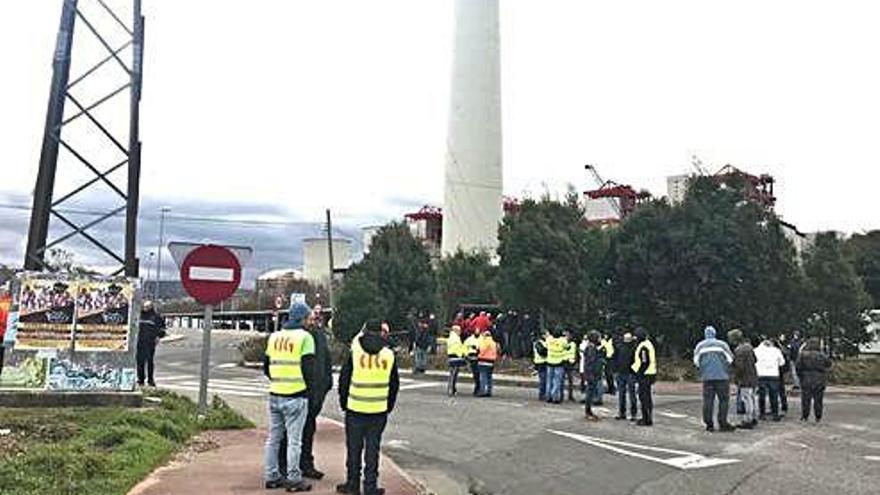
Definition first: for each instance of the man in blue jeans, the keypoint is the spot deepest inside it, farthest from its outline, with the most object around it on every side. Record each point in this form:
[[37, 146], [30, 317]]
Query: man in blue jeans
[[714, 358], [290, 365], [624, 354]]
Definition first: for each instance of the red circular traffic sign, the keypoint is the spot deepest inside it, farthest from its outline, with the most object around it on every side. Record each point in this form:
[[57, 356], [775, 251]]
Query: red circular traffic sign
[[210, 274]]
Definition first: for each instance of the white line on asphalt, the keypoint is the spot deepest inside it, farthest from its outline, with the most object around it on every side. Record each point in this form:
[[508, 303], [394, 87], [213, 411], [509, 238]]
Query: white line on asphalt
[[670, 414], [420, 385], [875, 458], [799, 445], [684, 460], [226, 366]]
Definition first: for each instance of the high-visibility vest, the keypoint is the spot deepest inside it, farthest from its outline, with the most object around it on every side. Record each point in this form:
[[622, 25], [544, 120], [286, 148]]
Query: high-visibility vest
[[556, 347], [608, 345], [370, 380], [652, 356], [454, 348], [538, 359], [488, 350], [284, 350], [472, 346], [571, 353]]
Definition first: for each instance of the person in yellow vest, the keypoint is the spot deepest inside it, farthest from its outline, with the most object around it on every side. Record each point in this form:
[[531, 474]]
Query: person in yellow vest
[[539, 358], [472, 351], [557, 346], [456, 353], [570, 364], [486, 357], [289, 364], [608, 347], [368, 386], [645, 367]]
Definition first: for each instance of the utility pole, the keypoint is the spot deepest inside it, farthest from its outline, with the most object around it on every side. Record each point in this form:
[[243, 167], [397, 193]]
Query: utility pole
[[157, 292], [330, 258]]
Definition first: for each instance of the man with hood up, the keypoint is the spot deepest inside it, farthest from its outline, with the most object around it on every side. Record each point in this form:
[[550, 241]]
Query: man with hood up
[[746, 377], [368, 386], [713, 357]]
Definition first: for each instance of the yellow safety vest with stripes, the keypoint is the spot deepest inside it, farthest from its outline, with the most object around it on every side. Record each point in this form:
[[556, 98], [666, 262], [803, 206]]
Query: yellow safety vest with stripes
[[652, 356], [556, 350], [370, 380], [608, 346], [454, 346], [284, 350], [538, 359]]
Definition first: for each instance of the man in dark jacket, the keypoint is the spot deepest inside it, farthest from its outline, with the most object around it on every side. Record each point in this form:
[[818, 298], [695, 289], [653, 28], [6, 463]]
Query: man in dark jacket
[[812, 366], [624, 352], [745, 375], [368, 386], [794, 350], [593, 358], [321, 384], [150, 329]]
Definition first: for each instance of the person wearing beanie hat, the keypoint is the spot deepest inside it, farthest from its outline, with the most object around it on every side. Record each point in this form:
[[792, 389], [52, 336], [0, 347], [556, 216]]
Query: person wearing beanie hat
[[713, 358], [746, 378], [289, 364]]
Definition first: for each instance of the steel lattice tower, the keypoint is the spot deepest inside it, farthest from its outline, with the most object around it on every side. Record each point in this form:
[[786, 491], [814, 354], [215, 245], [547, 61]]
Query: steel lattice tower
[[45, 205]]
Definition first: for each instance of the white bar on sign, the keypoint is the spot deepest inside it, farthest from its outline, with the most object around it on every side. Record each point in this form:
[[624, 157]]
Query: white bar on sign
[[210, 274]]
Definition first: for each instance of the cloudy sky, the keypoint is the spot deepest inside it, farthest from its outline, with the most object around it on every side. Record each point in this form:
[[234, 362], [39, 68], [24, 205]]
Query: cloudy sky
[[270, 111]]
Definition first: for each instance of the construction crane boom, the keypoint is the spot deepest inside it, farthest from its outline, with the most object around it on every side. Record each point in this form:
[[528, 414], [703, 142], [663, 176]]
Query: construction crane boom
[[600, 184]]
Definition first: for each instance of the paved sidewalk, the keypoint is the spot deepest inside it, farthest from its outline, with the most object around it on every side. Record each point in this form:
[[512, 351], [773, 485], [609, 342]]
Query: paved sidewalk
[[235, 468]]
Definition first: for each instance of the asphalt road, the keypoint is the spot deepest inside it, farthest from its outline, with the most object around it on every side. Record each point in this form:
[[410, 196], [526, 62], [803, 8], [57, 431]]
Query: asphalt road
[[513, 444]]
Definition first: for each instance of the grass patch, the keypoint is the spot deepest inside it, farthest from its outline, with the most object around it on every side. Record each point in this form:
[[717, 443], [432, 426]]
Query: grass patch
[[98, 451], [862, 372]]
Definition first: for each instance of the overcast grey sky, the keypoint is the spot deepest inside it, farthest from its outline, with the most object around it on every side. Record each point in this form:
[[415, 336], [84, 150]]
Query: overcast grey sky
[[279, 109]]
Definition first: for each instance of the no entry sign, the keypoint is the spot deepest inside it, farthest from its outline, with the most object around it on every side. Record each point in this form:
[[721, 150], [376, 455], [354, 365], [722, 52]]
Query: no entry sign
[[209, 273]]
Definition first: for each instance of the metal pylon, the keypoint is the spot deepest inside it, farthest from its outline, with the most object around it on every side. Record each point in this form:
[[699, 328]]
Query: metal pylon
[[126, 197]]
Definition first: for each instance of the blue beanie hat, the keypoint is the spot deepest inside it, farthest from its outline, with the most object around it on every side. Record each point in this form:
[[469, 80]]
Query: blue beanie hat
[[710, 332], [297, 315]]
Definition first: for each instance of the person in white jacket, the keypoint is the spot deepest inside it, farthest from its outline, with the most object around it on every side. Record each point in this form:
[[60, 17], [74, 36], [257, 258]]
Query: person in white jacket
[[769, 360]]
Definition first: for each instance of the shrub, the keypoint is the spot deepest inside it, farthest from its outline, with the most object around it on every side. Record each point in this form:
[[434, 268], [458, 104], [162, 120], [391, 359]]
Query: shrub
[[253, 349]]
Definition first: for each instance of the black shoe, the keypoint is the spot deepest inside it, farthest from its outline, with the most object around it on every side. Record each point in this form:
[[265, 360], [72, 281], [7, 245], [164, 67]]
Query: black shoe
[[312, 473], [745, 426], [818, 419], [726, 428], [151, 383], [301, 486], [620, 418], [348, 489], [805, 418], [274, 485], [642, 422], [776, 419], [710, 428], [140, 384], [374, 491], [633, 419]]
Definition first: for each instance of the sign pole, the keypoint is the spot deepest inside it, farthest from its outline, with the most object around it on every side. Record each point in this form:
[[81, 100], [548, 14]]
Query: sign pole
[[206, 358]]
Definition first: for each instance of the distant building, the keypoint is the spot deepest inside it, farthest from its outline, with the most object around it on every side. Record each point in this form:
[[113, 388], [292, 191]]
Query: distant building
[[275, 282], [799, 240], [676, 188], [316, 258]]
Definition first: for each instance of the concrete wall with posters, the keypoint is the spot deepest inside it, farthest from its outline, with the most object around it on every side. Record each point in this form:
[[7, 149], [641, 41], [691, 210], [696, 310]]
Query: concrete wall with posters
[[71, 334]]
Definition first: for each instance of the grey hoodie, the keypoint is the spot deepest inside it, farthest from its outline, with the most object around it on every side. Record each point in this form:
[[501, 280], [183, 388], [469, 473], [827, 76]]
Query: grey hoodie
[[713, 357]]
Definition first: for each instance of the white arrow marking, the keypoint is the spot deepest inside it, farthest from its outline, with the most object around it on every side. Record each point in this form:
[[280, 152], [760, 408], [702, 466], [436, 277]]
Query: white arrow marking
[[211, 274], [683, 460], [672, 415]]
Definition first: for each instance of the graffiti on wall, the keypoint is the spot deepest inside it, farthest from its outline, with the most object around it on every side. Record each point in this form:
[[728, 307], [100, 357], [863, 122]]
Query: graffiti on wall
[[67, 375], [28, 374]]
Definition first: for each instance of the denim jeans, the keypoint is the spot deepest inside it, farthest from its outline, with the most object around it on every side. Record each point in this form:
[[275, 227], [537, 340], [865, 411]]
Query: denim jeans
[[713, 389], [768, 386], [626, 387], [363, 439], [557, 374], [542, 381], [420, 360], [746, 395], [485, 380], [285, 414]]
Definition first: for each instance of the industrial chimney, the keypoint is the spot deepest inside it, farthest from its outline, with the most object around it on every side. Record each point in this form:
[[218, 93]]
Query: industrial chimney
[[473, 196]]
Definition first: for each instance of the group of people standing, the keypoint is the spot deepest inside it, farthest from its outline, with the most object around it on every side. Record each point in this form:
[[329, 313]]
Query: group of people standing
[[759, 374], [479, 351], [299, 367]]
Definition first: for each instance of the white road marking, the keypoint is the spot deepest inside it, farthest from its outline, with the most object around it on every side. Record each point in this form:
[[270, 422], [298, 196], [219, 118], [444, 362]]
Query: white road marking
[[875, 458], [682, 460], [420, 385], [799, 445], [673, 415], [226, 366]]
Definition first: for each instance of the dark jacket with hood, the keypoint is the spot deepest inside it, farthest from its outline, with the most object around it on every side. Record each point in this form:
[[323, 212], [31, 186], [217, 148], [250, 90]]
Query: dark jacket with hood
[[151, 327], [624, 356], [371, 344], [323, 377], [812, 365], [744, 372]]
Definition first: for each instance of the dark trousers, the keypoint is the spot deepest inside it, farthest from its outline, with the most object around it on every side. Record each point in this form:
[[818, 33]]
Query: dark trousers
[[455, 365], [592, 391], [146, 352], [306, 456], [475, 372], [713, 389], [626, 386], [569, 379], [812, 395], [646, 399], [2, 352], [783, 397], [609, 381], [768, 387], [363, 436], [542, 381]]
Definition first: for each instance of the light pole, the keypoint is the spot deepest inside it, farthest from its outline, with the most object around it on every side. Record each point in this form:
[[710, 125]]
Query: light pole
[[149, 269], [157, 292]]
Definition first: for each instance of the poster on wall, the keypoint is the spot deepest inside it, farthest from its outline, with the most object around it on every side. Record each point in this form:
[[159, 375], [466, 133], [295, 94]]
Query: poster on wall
[[46, 313], [103, 309]]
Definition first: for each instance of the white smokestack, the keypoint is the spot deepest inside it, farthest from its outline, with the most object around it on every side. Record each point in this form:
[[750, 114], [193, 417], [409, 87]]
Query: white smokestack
[[472, 206]]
